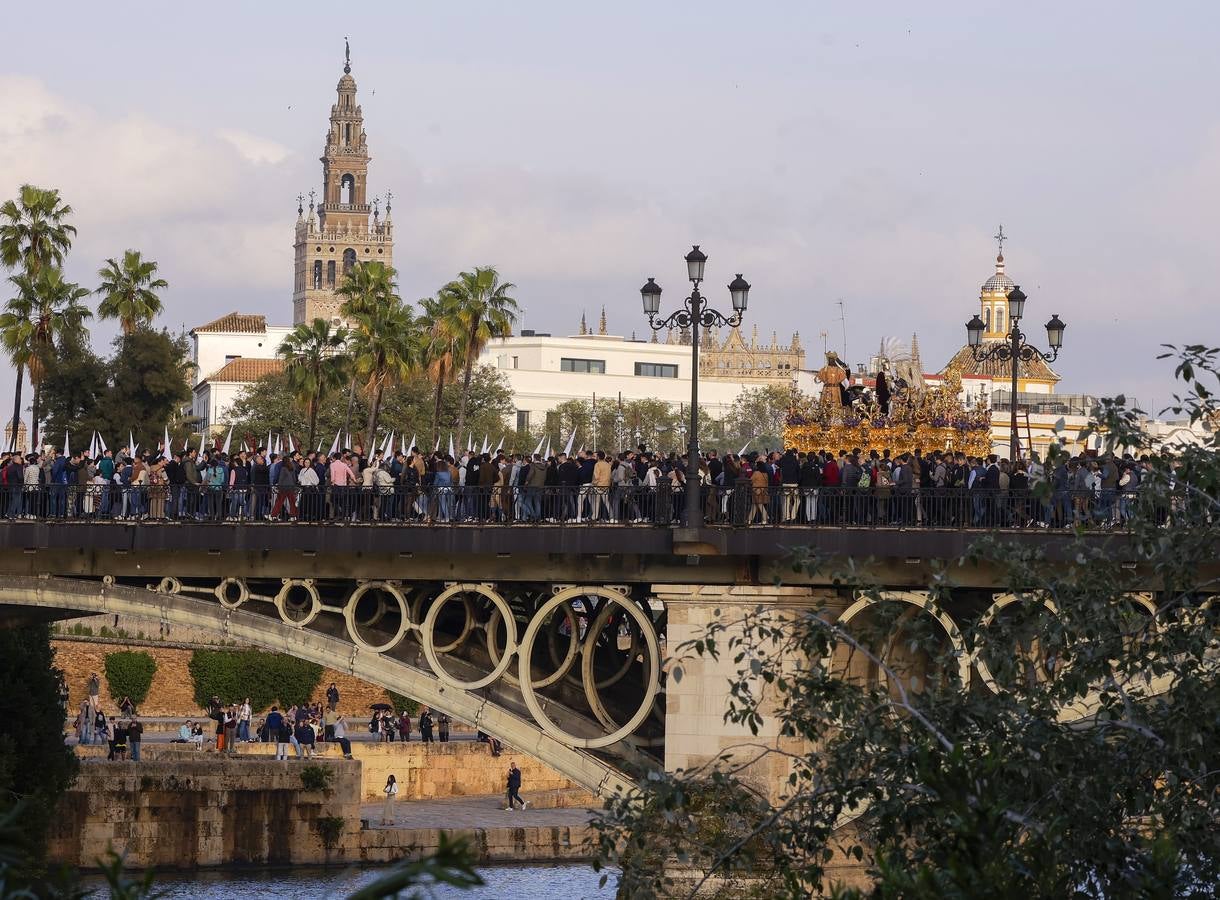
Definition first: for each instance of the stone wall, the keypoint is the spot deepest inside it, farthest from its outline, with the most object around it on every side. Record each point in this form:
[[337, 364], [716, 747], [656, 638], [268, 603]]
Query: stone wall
[[187, 813], [173, 692], [554, 843], [432, 772]]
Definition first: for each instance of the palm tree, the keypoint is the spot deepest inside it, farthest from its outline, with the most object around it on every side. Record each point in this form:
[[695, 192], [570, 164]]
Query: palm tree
[[33, 236], [486, 310], [316, 364], [129, 289], [365, 287], [442, 330], [385, 350], [43, 310]]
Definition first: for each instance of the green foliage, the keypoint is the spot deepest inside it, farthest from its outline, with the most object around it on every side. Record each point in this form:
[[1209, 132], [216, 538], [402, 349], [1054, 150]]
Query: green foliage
[[129, 673], [269, 404], [317, 778], [757, 416], [35, 766], [403, 704], [1090, 770], [452, 864], [129, 291], [330, 829], [140, 388], [265, 678]]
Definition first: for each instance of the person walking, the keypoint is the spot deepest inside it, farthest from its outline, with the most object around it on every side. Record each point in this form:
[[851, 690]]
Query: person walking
[[514, 787], [391, 791], [135, 732], [442, 722]]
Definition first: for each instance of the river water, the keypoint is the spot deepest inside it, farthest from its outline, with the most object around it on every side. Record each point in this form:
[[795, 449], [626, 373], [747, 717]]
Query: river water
[[563, 882]]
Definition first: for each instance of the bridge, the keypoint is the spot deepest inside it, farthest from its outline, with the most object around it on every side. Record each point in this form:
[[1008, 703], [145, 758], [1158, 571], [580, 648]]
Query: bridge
[[550, 637]]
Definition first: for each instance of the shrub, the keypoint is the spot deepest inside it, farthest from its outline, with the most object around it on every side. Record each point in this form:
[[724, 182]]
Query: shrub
[[265, 678], [330, 828], [317, 778], [403, 704], [129, 673]]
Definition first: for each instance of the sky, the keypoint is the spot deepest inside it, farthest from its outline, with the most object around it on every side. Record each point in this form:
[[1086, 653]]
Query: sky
[[863, 153]]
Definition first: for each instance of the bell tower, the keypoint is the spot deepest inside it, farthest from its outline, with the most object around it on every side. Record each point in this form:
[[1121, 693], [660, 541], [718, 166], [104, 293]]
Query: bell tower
[[343, 228]]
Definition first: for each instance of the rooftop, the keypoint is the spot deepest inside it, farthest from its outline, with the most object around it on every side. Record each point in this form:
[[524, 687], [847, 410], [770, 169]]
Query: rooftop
[[244, 370], [235, 323]]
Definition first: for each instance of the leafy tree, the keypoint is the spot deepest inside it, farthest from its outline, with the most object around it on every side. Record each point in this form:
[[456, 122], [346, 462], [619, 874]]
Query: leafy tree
[[757, 417], [35, 765], [441, 347], [45, 309], [33, 237], [316, 365], [1087, 767], [385, 351], [129, 291], [129, 673], [148, 386], [365, 288], [265, 678], [484, 310]]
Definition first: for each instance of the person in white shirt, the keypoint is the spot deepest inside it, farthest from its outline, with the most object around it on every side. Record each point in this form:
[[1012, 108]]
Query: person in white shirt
[[391, 791]]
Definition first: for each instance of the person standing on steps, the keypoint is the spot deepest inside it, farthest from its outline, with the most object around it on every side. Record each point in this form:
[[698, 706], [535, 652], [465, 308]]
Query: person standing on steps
[[425, 726], [332, 696], [514, 787], [391, 791], [135, 734]]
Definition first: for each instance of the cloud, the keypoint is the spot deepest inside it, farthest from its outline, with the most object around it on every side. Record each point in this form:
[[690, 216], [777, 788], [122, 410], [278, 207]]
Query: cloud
[[253, 148]]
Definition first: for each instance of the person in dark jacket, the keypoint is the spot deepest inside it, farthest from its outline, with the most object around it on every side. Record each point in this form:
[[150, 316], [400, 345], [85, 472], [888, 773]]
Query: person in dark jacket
[[514, 787], [425, 726]]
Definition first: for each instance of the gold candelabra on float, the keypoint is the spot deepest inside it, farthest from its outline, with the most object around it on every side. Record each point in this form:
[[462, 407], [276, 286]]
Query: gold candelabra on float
[[935, 419]]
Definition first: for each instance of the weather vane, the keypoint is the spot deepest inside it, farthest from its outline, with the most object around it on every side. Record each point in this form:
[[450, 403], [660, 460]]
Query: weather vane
[[311, 195], [300, 204], [389, 195], [347, 56], [1000, 239]]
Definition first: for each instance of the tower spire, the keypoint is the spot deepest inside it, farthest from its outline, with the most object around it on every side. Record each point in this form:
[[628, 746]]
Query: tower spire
[[601, 325], [584, 328]]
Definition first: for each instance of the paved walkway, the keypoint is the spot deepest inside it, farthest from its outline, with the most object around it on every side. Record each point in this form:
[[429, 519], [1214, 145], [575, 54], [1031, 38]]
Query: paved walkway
[[471, 812]]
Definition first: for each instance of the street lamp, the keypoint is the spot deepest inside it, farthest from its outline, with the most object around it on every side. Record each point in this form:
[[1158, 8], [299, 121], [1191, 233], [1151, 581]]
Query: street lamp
[[695, 314], [1014, 349]]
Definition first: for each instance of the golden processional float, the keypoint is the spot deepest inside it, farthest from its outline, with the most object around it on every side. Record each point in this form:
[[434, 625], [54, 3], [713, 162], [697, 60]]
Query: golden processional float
[[901, 413]]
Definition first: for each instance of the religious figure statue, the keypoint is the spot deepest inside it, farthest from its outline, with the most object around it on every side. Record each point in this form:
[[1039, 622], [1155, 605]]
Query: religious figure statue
[[833, 376]]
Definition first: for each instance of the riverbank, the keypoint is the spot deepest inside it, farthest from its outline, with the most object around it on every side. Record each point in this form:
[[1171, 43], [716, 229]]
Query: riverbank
[[175, 813]]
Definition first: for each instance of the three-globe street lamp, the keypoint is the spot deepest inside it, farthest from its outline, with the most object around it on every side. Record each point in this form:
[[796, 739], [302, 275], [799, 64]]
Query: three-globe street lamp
[[695, 315], [1014, 349]]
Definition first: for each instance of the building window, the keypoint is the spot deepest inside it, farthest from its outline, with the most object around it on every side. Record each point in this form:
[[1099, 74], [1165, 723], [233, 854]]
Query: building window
[[317, 273], [999, 318], [656, 370], [523, 419], [349, 260], [330, 273], [595, 366], [514, 362]]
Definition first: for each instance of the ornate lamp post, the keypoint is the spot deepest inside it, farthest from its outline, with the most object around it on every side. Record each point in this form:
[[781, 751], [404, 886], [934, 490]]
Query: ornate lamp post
[[618, 426], [695, 315], [1013, 348]]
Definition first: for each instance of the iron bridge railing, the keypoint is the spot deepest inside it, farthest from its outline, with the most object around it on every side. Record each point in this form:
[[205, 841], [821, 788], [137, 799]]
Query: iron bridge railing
[[741, 505]]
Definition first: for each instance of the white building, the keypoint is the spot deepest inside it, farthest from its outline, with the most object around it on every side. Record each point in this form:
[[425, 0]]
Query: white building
[[229, 354], [544, 371]]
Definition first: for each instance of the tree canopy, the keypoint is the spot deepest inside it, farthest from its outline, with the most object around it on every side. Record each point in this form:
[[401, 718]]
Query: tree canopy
[[1083, 764]]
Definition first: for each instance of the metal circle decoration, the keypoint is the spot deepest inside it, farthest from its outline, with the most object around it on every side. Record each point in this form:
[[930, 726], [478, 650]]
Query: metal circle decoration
[[590, 646], [563, 666], [283, 605], [432, 652], [169, 585], [923, 602], [441, 599], [223, 594], [349, 615], [976, 656], [652, 684]]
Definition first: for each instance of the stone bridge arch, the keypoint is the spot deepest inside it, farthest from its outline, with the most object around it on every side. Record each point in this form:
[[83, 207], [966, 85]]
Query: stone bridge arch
[[603, 773]]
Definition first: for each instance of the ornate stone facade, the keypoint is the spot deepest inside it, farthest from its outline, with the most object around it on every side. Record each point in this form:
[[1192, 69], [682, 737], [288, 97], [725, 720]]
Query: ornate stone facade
[[732, 359], [344, 227]]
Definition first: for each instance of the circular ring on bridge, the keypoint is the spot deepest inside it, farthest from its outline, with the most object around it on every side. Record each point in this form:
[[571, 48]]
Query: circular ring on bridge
[[432, 652], [562, 666], [924, 602], [976, 656], [588, 678], [169, 585], [527, 689], [349, 615], [222, 592], [281, 601]]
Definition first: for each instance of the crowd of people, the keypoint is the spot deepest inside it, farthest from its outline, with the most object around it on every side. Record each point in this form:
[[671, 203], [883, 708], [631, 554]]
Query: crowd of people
[[637, 486]]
